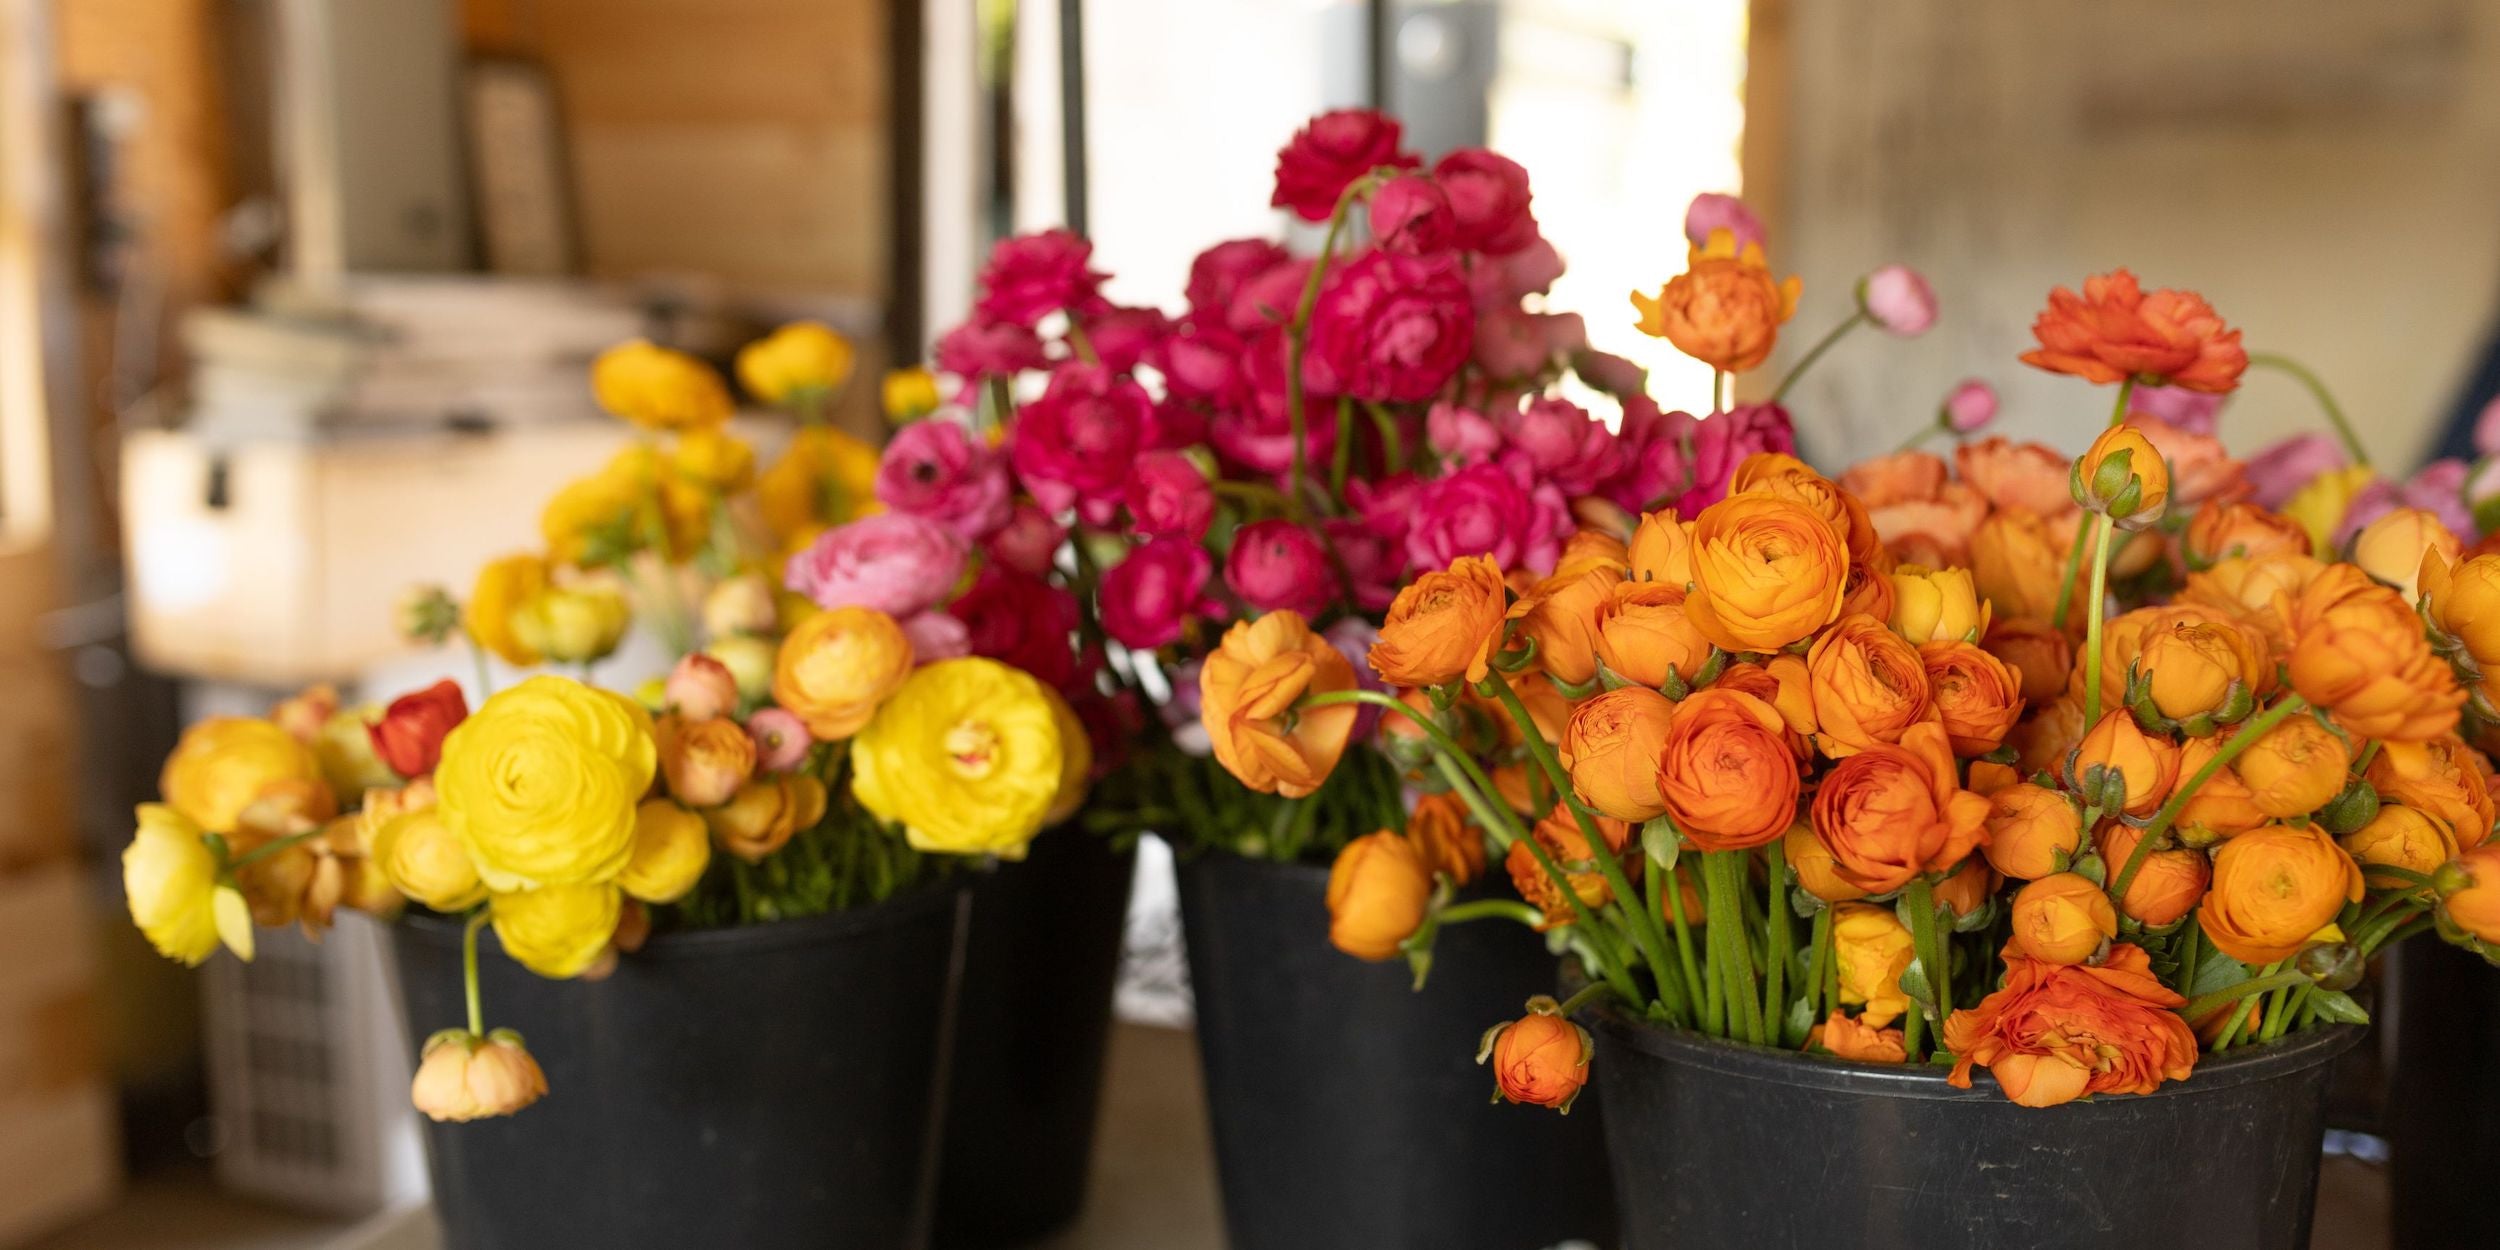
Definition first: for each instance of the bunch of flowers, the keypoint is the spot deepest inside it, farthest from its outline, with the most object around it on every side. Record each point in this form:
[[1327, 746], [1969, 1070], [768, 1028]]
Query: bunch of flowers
[[1883, 768], [822, 744]]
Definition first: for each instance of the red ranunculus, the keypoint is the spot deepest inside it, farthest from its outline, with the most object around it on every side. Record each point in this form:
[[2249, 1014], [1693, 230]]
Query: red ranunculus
[[409, 737], [1328, 154]]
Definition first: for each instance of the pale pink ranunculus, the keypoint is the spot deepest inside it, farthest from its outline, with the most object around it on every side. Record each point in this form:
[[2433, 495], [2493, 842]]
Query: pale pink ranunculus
[[1276, 564], [2193, 411], [701, 688], [1484, 510], [2280, 469], [937, 470], [1028, 541], [1169, 495], [1898, 300], [1154, 590], [781, 739], [894, 562], [1970, 407], [1502, 281], [1511, 342], [1712, 211], [1461, 436], [937, 636], [1721, 442]]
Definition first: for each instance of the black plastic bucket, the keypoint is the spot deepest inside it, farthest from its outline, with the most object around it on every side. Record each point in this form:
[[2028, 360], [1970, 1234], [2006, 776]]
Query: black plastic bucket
[[1716, 1143], [764, 1087], [1039, 966], [2443, 1102], [1348, 1109]]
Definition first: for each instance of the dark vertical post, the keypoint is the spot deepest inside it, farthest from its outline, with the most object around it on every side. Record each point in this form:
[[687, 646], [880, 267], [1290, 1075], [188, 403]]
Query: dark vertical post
[[1072, 109], [906, 201], [1376, 37]]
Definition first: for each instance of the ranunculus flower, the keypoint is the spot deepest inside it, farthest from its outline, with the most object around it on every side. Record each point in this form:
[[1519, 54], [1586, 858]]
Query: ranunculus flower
[[2359, 651], [1559, 833], [1934, 605], [1217, 274], [2471, 902], [1074, 444], [2197, 466], [2057, 1032], [1561, 615], [1501, 281], [1411, 216], [1766, 572], [2018, 560], [1553, 439], [2437, 488], [1249, 692], [1611, 746], [2293, 768], [2115, 330], [700, 687], [1027, 541], [672, 847], [1150, 594], [1869, 685], [1892, 812], [2191, 411], [1654, 467], [937, 636], [222, 764], [1268, 299], [1443, 626], [705, 761], [2032, 831], [1124, 337], [2168, 886], [971, 757], [984, 347], [1847, 1037], [2188, 657], [1483, 510], [1278, 564], [2044, 656], [1726, 440], [1871, 948], [1390, 328], [409, 737], [2273, 888], [1725, 310], [2391, 548], [1331, 150], [1643, 633], [938, 471], [2220, 530], [1898, 300], [1031, 276], [1168, 494], [659, 388], [1970, 407], [2280, 469], [1021, 620], [2443, 776], [837, 666], [2148, 764], [781, 739], [799, 357], [1461, 436], [1539, 1059], [589, 758], [1711, 212], [764, 814], [1725, 771], [2031, 476], [2063, 918], [894, 562], [1976, 697], [1379, 889], [2401, 837], [1488, 197], [1374, 565], [463, 1077], [1259, 435]]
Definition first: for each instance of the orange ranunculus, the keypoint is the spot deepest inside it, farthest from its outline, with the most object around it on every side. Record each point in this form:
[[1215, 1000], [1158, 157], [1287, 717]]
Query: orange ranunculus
[[2392, 549], [2032, 831], [1968, 888], [1378, 891], [1782, 682], [1443, 625], [1725, 771], [2018, 560], [2124, 475], [2149, 764], [2168, 885], [2401, 837], [1540, 1059], [1902, 477], [1934, 532], [2044, 739], [2189, 657], [1868, 592], [1450, 843], [2030, 476], [1870, 950], [1662, 549], [1784, 476], [1561, 615], [1767, 572], [1511, 782], [2237, 530], [1643, 633], [1847, 1037], [1891, 812], [2463, 602], [705, 761], [1611, 746], [1936, 605], [2359, 651], [2221, 808], [1249, 692], [1589, 549], [2057, 1032], [1724, 310], [2063, 918], [1869, 685], [2273, 889], [2471, 903], [2200, 468], [766, 813], [2252, 590], [2443, 776], [1986, 777], [838, 667], [1812, 862], [1548, 709], [1559, 833], [2043, 656], [2294, 768], [2116, 330], [1977, 697]]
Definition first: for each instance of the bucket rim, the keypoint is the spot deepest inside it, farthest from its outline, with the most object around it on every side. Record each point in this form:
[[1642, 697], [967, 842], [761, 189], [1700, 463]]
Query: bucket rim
[[736, 941], [2270, 1061]]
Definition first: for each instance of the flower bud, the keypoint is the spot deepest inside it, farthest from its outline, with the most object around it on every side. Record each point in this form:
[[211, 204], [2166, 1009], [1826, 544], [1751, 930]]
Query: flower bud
[[1379, 891], [2352, 810], [700, 688], [2333, 965], [781, 739], [705, 761], [763, 816], [671, 849], [2295, 768], [739, 605], [750, 662], [572, 626], [464, 1077], [2167, 885], [1970, 407], [423, 859], [2063, 919], [2033, 831], [426, 614], [1898, 300], [2391, 549], [2123, 477], [1540, 1059]]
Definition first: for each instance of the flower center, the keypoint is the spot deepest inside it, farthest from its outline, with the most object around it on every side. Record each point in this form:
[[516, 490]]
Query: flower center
[[973, 746]]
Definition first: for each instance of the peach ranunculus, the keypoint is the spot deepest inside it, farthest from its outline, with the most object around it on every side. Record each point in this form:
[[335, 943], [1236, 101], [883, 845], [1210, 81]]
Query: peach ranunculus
[[1447, 838], [1378, 893], [2273, 889], [1934, 532], [1724, 310], [2199, 468], [1977, 698], [1848, 1037], [2224, 806], [1661, 549], [1812, 862], [2359, 651], [2057, 1032], [2140, 767], [1869, 685], [1561, 616], [2167, 885], [2254, 591], [2294, 768], [2222, 530], [2043, 656], [1444, 625], [1249, 692], [1892, 812], [2442, 776], [1611, 744], [2403, 837], [1767, 572], [1902, 477], [1645, 637], [2032, 831], [2462, 602], [2393, 549], [1559, 833], [1725, 770], [2116, 330], [2030, 476], [2063, 918], [2019, 559]]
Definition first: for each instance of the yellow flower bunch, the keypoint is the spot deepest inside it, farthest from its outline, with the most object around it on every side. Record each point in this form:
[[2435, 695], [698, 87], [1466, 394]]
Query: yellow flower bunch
[[967, 756], [803, 362]]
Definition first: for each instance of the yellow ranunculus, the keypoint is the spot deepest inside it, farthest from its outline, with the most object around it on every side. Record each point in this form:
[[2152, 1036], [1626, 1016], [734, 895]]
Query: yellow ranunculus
[[557, 930], [749, 659], [659, 389], [825, 477], [966, 757], [910, 394], [2320, 505], [714, 459], [541, 782], [170, 876], [345, 750], [1076, 759], [1937, 605], [1873, 948], [223, 763], [423, 859], [671, 850], [837, 666], [573, 626], [502, 587], [799, 357]]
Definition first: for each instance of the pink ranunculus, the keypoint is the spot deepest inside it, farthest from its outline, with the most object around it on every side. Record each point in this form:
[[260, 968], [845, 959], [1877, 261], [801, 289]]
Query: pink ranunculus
[[1461, 436], [1410, 216], [1323, 158], [1028, 541], [937, 636], [1073, 446], [1122, 337], [1217, 274], [2199, 467], [1655, 468], [1201, 363], [986, 347], [781, 740], [1375, 564], [1258, 434], [2439, 489], [1023, 621], [1511, 342], [1031, 276], [1147, 596], [1970, 407], [1168, 495], [1898, 300], [2279, 470], [1276, 564], [897, 563], [1612, 374], [937, 469], [1483, 510], [1267, 299], [1391, 329], [1553, 439], [1712, 211], [1722, 442], [1499, 281], [1488, 194], [2193, 411], [1178, 423]]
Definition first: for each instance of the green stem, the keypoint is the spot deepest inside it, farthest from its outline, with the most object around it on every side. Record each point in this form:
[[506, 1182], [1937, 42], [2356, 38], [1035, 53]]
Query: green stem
[[1712, 1018], [1775, 961], [1083, 346], [2282, 1007], [1818, 963], [1453, 769], [2162, 820], [269, 848], [1343, 462], [1663, 881], [485, 674], [2203, 1005], [1255, 494], [1718, 391], [1298, 336], [1933, 955], [1924, 433], [1588, 994], [2101, 528], [1492, 909], [2126, 391], [2231, 1028], [1392, 444], [2066, 588], [468, 971], [1815, 352], [2325, 398], [1722, 872], [2369, 752]]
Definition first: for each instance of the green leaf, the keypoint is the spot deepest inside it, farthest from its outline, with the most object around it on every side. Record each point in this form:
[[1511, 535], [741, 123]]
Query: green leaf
[[1660, 843], [2339, 1007], [1800, 1019], [1914, 983], [2216, 971]]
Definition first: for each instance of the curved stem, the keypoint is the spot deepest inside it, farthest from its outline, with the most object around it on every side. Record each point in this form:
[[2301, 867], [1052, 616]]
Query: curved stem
[[2101, 528], [1815, 353], [1298, 337], [1588, 994], [1392, 444], [1080, 344], [1924, 433], [468, 971], [1491, 909], [269, 848], [2126, 391], [2206, 1004], [2326, 399], [2250, 732], [1344, 458]]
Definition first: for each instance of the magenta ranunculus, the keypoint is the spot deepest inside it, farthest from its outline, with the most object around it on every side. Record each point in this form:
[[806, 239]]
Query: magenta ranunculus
[[1201, 363], [1410, 216], [1168, 495], [2279, 470], [1267, 299], [1555, 440], [1217, 274], [1511, 342], [937, 636], [985, 347], [1461, 436], [1374, 563], [1391, 329], [1148, 595], [1898, 300], [1259, 434], [1488, 194], [937, 469], [2439, 489], [2193, 411], [1722, 442], [897, 563], [1073, 446], [1323, 158], [1655, 468], [1028, 541], [1277, 564], [1179, 423], [1712, 211], [1970, 407], [1031, 276], [1123, 337], [1483, 510]]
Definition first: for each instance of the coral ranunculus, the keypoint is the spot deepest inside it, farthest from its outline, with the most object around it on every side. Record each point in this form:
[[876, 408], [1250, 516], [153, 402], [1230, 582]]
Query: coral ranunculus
[[1869, 685], [1249, 690], [2273, 889], [1539, 1059], [1767, 572], [2063, 918], [1443, 626], [1378, 892], [1977, 698], [2358, 651], [1725, 772], [2116, 330], [1890, 813], [1725, 309], [2058, 1032], [2032, 831], [1611, 745]]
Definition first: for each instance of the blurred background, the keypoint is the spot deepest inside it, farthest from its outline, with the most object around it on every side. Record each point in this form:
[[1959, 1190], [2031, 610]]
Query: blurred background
[[297, 298]]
